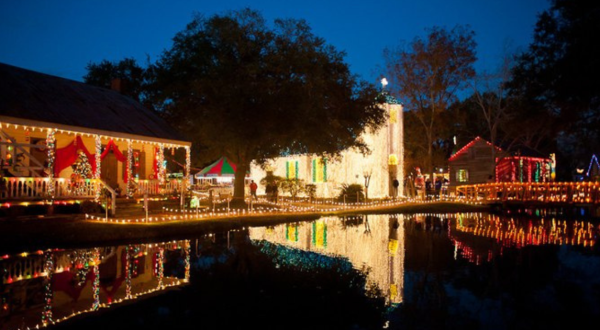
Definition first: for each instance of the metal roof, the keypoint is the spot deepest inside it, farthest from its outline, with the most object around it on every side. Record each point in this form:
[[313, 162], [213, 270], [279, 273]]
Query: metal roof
[[41, 97]]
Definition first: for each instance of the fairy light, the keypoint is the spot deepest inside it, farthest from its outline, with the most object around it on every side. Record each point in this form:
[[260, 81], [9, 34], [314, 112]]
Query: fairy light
[[97, 174], [187, 261], [161, 168], [48, 295], [128, 271], [160, 266], [188, 162], [130, 184], [50, 149], [96, 282]]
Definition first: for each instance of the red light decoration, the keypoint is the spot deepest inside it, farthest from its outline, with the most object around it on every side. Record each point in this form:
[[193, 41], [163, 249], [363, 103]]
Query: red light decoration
[[468, 145]]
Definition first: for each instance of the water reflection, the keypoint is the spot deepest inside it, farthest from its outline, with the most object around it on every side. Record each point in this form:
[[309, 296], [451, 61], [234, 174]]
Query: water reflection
[[46, 287], [423, 271], [372, 244]]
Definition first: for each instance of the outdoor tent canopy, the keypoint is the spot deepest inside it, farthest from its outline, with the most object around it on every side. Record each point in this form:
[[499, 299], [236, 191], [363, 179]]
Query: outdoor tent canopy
[[221, 168]]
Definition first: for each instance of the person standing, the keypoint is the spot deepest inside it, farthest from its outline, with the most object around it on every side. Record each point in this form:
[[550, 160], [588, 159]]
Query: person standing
[[269, 191], [395, 183], [275, 191], [420, 184], [253, 187]]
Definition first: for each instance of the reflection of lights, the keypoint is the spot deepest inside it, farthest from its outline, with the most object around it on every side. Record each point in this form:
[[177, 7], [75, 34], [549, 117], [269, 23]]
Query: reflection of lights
[[518, 234], [92, 257]]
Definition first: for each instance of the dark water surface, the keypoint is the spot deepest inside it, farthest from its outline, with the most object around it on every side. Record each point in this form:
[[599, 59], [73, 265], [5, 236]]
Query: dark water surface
[[425, 271]]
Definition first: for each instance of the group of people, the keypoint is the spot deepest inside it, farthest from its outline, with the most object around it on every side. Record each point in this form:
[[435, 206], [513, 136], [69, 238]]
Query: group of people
[[272, 191]]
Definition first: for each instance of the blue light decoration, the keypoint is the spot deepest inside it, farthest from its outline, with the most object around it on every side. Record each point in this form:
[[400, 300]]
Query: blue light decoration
[[303, 260], [593, 161]]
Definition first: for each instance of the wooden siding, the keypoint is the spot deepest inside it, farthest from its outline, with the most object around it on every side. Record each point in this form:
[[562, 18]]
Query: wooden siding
[[477, 160]]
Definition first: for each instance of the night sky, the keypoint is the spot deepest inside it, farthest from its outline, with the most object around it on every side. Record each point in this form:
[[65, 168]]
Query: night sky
[[60, 37]]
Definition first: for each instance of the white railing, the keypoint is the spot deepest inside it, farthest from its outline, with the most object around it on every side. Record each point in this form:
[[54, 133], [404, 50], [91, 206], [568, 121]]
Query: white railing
[[153, 187], [28, 188], [37, 188]]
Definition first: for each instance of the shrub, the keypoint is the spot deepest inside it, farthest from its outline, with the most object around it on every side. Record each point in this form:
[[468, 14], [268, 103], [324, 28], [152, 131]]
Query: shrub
[[91, 207], [351, 191]]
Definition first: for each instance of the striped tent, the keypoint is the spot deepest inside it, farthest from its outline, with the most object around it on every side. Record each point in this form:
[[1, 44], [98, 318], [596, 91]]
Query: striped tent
[[221, 168]]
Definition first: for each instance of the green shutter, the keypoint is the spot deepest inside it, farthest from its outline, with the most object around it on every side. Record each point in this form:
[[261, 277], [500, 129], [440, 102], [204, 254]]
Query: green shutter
[[296, 169]]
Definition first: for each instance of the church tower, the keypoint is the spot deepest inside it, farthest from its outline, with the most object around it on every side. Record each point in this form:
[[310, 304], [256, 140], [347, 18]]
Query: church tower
[[395, 140]]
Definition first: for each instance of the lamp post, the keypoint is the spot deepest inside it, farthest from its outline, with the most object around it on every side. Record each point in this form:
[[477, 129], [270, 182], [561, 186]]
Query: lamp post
[[367, 176]]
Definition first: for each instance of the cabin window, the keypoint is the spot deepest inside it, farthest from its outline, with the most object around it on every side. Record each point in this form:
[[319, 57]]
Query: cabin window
[[462, 175]]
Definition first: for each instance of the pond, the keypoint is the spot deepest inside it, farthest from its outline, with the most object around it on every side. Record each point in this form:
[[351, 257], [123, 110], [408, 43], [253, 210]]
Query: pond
[[421, 271]]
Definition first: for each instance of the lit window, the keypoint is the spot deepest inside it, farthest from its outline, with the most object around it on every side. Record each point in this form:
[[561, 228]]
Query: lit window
[[462, 176], [291, 170], [319, 170]]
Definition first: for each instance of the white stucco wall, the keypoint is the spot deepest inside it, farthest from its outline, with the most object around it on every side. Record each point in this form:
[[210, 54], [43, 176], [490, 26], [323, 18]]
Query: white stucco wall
[[351, 167]]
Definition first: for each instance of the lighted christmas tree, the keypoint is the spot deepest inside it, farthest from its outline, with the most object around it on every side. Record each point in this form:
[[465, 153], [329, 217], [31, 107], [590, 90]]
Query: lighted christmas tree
[[81, 170], [82, 167]]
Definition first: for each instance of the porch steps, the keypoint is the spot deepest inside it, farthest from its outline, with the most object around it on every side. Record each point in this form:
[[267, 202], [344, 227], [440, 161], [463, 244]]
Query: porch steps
[[132, 208]]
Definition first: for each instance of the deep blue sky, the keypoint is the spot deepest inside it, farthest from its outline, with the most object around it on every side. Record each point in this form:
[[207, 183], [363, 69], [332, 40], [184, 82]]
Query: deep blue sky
[[60, 37]]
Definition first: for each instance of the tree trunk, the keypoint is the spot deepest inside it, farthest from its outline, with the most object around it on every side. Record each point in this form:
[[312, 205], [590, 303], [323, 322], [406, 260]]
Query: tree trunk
[[239, 182]]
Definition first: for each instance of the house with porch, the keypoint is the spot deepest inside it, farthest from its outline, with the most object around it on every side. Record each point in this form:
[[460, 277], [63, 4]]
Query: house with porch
[[62, 139]]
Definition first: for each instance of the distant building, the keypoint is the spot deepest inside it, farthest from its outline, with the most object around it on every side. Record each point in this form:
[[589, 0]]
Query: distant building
[[380, 168], [473, 164]]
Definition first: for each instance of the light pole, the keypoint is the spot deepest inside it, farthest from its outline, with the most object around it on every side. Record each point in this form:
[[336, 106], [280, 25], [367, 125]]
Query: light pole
[[367, 176]]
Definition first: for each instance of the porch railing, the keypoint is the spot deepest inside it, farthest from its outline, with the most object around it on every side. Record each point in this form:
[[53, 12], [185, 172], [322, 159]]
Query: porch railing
[[32, 188]]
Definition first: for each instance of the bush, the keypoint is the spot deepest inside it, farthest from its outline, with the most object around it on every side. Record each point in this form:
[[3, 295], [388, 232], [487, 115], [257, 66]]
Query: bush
[[89, 207], [311, 190], [351, 191]]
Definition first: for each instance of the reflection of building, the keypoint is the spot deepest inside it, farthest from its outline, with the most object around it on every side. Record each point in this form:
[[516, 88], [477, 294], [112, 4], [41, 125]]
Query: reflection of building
[[472, 233], [379, 169], [48, 287], [374, 243]]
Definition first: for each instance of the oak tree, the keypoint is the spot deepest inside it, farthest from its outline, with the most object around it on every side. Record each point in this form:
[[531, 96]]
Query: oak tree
[[252, 91]]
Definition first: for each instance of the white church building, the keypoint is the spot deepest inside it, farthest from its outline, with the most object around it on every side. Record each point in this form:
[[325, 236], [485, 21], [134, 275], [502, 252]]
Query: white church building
[[378, 169]]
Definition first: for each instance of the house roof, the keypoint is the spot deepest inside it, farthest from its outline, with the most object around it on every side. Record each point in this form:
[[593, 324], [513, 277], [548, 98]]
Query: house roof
[[520, 152], [469, 145], [41, 97]]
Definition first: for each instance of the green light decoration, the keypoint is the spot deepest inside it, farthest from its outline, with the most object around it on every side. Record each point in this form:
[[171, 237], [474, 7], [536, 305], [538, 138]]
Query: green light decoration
[[319, 234]]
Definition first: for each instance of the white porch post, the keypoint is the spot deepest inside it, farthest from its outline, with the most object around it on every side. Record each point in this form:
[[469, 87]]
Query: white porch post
[[161, 160], [188, 162], [51, 150], [98, 166], [130, 186], [186, 177]]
